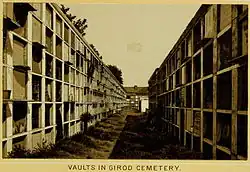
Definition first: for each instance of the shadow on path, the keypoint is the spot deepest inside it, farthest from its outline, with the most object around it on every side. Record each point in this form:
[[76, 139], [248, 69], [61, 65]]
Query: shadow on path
[[139, 141]]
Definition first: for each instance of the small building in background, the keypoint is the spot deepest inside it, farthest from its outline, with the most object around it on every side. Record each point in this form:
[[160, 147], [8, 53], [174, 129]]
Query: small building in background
[[137, 97]]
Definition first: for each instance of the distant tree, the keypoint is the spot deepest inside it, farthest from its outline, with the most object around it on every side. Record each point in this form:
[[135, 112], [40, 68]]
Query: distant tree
[[80, 24], [65, 10], [116, 72], [96, 51]]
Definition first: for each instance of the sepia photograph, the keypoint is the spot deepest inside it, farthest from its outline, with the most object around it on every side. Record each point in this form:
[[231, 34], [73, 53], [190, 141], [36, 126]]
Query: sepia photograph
[[124, 81]]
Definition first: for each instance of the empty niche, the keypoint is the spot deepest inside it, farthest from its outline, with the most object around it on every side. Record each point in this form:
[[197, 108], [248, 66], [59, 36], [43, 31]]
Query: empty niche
[[188, 140], [36, 116], [19, 117], [58, 70], [207, 151], [242, 130], [4, 120], [48, 90], [66, 52], [196, 143], [36, 88], [197, 95], [224, 90], [197, 36], [178, 98], [66, 111], [58, 91], [66, 33], [225, 50], [49, 65], [173, 94], [208, 93], [221, 155], [178, 78], [188, 96], [48, 115], [208, 125], [58, 47], [197, 67], [208, 60], [223, 130], [59, 127], [58, 26], [49, 40], [20, 16], [242, 88], [37, 61], [72, 111], [66, 92], [72, 40], [66, 73], [66, 130]]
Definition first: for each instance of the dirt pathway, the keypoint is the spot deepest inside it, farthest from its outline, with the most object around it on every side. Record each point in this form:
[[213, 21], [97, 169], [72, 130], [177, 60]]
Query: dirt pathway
[[120, 136], [139, 141]]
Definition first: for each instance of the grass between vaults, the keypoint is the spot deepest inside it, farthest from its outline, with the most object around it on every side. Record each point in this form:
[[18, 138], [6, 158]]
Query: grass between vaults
[[96, 143]]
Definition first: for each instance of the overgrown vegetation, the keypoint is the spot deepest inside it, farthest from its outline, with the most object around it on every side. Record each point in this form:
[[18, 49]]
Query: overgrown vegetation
[[80, 24], [111, 138], [116, 72], [97, 142]]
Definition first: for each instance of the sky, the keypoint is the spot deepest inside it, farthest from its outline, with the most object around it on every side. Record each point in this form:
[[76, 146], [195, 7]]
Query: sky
[[134, 37]]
